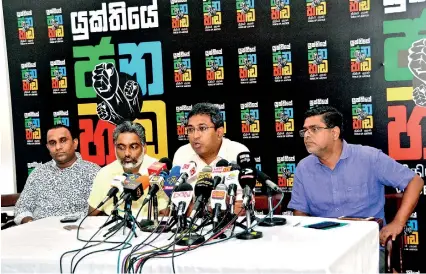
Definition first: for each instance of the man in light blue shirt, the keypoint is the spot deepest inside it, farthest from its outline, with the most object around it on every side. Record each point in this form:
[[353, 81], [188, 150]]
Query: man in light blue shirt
[[341, 179]]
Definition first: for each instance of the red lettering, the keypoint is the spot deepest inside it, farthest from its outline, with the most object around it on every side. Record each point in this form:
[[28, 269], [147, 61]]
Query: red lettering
[[353, 6], [282, 181], [28, 134], [184, 194], [313, 69], [178, 77], [55, 83], [355, 67], [356, 124], [210, 75], [241, 17], [279, 127], [310, 11], [26, 86], [411, 128], [243, 73], [22, 35], [175, 23], [180, 130], [207, 20], [275, 14], [245, 128], [277, 71], [95, 139], [52, 33]]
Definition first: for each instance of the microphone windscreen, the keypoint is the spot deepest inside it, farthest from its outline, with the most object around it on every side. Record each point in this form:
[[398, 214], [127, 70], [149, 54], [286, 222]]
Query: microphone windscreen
[[144, 180], [207, 169], [245, 160], [184, 187], [166, 161], [222, 162]]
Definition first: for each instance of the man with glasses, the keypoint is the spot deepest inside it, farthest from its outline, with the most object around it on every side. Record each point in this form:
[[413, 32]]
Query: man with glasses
[[59, 187], [341, 179], [206, 142], [130, 150]]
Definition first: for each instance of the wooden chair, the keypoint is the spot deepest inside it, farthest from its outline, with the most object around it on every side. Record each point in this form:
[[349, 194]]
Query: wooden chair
[[394, 249], [261, 203], [8, 200]]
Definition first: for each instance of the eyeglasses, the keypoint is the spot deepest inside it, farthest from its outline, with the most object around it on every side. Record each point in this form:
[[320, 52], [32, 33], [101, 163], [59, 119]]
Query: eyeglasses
[[200, 129], [312, 130]]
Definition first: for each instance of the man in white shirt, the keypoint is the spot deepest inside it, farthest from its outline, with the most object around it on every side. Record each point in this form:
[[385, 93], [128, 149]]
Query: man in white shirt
[[130, 149], [207, 146]]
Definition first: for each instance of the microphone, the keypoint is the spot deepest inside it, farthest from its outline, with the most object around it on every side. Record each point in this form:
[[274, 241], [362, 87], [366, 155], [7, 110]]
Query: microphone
[[207, 169], [170, 181], [166, 161], [246, 160], [234, 166], [247, 176], [202, 190], [157, 183], [186, 171], [217, 180], [156, 168], [133, 187], [116, 187], [247, 180], [221, 167], [267, 180], [231, 181], [222, 162], [182, 197], [218, 202]]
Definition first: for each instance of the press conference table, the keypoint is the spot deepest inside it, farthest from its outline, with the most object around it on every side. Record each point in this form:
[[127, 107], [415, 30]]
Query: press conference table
[[37, 247]]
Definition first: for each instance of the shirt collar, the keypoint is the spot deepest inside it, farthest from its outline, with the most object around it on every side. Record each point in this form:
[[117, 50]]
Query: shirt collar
[[345, 153], [79, 159], [223, 148]]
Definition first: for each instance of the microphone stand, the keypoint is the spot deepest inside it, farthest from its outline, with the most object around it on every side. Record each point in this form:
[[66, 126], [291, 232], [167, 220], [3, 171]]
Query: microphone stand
[[190, 239], [114, 213], [216, 227], [148, 222], [156, 227], [270, 219], [126, 222], [202, 213], [249, 234]]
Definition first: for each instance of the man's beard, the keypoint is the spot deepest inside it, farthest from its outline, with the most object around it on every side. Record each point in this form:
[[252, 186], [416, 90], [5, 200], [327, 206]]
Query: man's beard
[[130, 166]]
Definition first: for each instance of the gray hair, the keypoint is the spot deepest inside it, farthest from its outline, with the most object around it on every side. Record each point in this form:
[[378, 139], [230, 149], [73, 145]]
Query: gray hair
[[130, 127], [210, 110]]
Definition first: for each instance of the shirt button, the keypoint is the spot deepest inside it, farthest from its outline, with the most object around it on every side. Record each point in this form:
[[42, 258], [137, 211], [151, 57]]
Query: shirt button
[[337, 209], [334, 191], [349, 188]]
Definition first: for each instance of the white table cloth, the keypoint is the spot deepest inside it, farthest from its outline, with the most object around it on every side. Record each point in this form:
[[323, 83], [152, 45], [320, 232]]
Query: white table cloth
[[37, 246]]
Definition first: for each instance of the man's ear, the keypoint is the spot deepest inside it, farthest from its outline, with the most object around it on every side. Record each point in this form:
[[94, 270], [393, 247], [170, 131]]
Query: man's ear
[[336, 133], [75, 143], [220, 131]]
